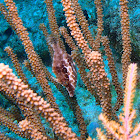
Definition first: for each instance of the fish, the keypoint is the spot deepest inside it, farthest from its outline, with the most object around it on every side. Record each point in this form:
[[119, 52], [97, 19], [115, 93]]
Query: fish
[[63, 66]]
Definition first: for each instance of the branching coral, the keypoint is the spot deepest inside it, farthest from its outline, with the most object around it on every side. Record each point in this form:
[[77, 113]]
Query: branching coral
[[89, 60], [124, 129]]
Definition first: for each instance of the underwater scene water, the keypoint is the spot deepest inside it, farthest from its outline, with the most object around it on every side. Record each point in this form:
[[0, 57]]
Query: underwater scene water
[[79, 77]]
